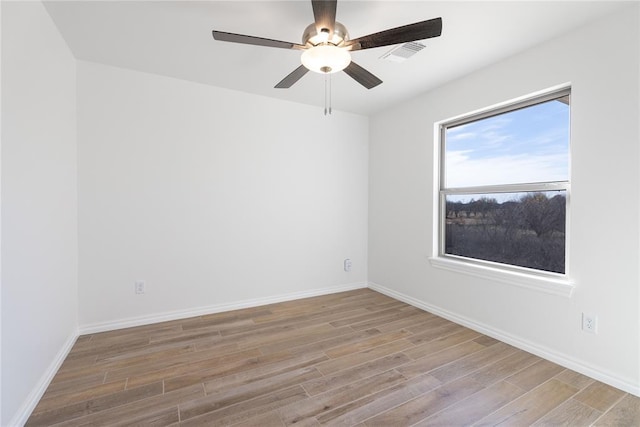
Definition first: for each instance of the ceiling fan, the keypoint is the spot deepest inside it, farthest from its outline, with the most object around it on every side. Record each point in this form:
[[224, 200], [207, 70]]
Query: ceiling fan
[[326, 47]]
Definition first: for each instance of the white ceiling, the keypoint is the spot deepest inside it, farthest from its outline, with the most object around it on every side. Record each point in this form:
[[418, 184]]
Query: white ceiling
[[173, 38]]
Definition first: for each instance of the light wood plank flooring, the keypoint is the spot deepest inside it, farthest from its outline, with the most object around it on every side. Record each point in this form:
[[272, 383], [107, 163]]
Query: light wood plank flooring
[[355, 358]]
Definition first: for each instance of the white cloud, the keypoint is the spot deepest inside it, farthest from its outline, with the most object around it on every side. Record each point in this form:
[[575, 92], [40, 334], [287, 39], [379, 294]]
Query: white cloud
[[464, 171]]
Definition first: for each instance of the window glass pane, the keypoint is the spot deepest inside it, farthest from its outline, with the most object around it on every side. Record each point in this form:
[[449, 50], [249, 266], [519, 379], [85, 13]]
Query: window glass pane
[[522, 229], [527, 145]]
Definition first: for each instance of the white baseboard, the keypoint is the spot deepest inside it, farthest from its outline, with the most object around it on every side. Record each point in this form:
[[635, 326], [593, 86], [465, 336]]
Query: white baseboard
[[34, 397], [218, 308], [544, 352]]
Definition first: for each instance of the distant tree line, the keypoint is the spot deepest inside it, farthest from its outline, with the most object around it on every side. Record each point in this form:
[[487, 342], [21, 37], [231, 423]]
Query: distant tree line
[[528, 232]]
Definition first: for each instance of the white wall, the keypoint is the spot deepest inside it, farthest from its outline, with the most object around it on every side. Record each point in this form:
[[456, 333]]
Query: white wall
[[214, 198], [602, 63], [39, 204]]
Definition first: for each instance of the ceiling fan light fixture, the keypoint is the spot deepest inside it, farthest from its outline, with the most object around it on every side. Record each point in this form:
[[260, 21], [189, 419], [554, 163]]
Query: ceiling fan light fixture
[[326, 59]]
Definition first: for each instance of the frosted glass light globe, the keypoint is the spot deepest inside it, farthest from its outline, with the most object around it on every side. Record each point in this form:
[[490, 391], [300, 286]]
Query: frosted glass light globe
[[326, 59]]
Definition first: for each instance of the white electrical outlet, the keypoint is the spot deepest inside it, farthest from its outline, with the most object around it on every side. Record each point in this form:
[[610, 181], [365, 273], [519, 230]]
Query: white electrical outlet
[[139, 287], [347, 265], [590, 323]]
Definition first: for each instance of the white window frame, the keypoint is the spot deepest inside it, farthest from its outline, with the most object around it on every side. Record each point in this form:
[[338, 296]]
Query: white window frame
[[549, 282]]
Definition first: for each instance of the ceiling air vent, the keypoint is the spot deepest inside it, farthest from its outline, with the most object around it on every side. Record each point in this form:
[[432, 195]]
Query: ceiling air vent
[[403, 52]]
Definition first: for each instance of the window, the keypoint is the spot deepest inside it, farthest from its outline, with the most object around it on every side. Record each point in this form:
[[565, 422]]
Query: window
[[504, 186]]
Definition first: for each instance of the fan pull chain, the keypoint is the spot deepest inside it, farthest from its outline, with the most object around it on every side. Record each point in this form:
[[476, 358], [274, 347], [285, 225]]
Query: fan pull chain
[[330, 94], [327, 93], [326, 84]]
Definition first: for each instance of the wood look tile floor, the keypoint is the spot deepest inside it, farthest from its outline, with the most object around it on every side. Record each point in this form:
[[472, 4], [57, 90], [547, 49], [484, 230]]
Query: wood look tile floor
[[355, 358]]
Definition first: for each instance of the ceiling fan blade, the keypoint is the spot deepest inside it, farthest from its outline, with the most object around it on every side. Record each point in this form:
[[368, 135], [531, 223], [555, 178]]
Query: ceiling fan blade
[[324, 12], [407, 33], [295, 75], [362, 76], [256, 41]]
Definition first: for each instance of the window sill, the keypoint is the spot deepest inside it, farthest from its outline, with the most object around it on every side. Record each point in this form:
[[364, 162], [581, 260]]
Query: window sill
[[552, 285]]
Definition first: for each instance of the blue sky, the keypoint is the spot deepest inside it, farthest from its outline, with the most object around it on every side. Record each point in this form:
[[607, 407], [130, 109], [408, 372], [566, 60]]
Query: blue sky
[[526, 145]]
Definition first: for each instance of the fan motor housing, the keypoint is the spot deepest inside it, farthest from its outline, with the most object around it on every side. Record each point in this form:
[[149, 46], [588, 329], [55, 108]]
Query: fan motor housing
[[313, 37]]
